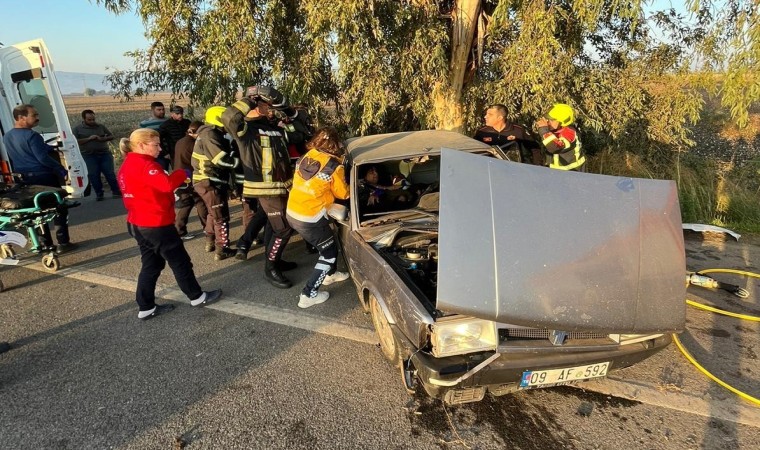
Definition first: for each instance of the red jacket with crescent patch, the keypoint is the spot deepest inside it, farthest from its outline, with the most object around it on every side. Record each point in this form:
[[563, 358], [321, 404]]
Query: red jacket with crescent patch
[[147, 191]]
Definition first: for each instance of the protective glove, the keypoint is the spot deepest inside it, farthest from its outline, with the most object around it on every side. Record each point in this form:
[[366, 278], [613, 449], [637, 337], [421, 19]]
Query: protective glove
[[189, 174]]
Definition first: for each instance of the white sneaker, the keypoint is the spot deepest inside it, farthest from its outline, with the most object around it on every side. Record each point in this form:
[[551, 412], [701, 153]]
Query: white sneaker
[[334, 278], [304, 301]]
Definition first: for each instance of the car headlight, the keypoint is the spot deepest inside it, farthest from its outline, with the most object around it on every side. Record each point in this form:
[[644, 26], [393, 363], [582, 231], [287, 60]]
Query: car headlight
[[460, 335]]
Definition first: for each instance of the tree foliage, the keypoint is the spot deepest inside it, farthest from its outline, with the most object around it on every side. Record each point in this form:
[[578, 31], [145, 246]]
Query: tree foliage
[[636, 77]]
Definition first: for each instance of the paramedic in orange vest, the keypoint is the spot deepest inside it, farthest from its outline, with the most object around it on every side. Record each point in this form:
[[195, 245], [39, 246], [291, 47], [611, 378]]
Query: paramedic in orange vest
[[561, 140], [319, 179]]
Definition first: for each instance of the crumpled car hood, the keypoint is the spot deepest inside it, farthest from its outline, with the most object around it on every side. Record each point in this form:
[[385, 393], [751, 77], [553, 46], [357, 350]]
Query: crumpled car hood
[[567, 251]]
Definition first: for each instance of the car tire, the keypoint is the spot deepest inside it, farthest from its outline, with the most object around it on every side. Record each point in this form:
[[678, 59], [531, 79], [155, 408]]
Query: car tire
[[388, 343]]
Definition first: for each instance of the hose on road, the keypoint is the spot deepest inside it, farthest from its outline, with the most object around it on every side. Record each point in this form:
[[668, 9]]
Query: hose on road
[[739, 293]]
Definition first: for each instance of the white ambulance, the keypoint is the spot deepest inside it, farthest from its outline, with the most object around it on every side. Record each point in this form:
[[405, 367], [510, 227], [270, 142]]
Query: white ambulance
[[27, 77]]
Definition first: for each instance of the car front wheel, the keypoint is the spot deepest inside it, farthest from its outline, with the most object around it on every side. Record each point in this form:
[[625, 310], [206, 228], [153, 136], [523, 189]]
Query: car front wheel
[[388, 343]]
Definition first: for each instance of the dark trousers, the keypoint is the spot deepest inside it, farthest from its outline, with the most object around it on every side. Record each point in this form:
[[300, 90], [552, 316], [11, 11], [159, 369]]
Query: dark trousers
[[61, 220], [274, 207], [159, 245], [188, 199], [215, 196], [321, 236], [254, 220], [97, 164]]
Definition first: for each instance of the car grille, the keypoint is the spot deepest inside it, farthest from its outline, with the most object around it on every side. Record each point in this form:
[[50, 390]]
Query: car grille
[[539, 340], [534, 333]]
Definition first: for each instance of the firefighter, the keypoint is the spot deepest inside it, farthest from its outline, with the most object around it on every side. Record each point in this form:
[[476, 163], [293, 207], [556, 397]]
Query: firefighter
[[212, 165], [561, 140], [266, 168]]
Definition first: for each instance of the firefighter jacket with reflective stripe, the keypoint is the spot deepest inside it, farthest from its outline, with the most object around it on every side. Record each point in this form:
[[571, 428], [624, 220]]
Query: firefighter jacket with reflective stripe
[[263, 152], [148, 191], [563, 147], [319, 179], [210, 149]]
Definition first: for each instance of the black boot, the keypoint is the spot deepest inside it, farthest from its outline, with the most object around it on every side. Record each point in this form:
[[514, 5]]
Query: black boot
[[284, 266], [275, 277], [222, 253], [241, 254]]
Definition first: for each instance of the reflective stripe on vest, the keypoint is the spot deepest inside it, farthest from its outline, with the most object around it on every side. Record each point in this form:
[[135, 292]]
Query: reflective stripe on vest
[[557, 162]]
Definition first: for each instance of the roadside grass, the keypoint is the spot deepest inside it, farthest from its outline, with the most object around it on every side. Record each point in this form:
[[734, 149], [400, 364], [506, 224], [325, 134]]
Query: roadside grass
[[120, 117], [718, 180]]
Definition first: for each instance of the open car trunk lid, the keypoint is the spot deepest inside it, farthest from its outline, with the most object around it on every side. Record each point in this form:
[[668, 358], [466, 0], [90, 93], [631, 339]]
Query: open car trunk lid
[[569, 251]]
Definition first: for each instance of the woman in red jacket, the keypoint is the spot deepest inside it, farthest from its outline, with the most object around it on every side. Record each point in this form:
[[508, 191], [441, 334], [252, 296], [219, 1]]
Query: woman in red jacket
[[148, 194]]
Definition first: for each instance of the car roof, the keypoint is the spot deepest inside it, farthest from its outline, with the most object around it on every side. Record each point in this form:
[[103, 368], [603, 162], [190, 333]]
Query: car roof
[[383, 147]]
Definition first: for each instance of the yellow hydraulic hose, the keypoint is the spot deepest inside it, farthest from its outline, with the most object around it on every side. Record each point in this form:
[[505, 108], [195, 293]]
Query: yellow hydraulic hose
[[698, 305], [709, 375]]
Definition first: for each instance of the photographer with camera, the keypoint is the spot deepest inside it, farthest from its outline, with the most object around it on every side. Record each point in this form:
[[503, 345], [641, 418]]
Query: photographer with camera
[[560, 139]]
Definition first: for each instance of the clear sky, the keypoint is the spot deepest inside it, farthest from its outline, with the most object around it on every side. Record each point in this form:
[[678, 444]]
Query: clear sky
[[81, 36]]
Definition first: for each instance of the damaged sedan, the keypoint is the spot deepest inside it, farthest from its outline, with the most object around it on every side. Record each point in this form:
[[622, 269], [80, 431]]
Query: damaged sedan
[[484, 275]]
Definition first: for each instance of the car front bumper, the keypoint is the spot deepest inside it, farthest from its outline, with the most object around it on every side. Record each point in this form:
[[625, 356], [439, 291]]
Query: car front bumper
[[503, 374]]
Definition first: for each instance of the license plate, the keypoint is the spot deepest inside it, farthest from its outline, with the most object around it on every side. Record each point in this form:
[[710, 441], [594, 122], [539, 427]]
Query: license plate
[[555, 377]]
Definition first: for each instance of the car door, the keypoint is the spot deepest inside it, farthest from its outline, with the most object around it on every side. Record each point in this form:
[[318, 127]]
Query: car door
[[27, 77]]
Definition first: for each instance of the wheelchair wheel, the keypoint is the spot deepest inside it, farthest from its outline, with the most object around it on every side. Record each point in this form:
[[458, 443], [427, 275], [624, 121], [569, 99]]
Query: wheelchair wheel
[[51, 263], [6, 251]]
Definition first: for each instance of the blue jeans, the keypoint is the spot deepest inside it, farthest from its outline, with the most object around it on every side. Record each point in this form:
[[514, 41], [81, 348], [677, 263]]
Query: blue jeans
[[101, 163]]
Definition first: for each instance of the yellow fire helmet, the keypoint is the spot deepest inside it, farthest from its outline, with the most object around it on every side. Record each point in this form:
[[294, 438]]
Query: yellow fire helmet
[[562, 113], [214, 114]]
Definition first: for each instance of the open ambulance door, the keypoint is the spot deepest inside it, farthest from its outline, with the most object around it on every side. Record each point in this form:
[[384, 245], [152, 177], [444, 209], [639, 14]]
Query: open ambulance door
[[27, 77]]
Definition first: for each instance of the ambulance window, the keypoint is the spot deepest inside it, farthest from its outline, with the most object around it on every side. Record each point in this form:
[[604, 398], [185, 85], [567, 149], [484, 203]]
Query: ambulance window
[[33, 92]]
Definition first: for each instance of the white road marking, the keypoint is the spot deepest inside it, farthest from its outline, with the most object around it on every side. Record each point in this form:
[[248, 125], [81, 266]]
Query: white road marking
[[732, 409], [231, 305]]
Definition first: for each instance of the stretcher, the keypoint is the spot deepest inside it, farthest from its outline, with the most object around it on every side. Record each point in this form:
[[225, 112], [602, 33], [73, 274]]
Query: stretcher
[[30, 209]]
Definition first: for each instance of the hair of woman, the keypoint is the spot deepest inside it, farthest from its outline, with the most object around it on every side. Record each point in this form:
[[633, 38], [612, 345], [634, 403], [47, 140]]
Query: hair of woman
[[140, 135], [327, 140]]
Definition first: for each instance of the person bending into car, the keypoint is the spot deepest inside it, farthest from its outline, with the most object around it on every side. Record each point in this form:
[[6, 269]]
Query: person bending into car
[[149, 199], [318, 180], [267, 170]]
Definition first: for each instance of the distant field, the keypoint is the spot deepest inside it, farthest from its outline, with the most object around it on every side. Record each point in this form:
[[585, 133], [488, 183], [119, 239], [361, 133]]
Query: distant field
[[119, 117]]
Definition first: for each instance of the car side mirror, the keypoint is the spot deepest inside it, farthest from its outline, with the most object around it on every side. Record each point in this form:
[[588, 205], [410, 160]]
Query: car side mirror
[[338, 212]]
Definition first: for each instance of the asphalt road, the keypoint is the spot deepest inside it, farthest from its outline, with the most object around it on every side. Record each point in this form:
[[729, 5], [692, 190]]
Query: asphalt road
[[255, 371]]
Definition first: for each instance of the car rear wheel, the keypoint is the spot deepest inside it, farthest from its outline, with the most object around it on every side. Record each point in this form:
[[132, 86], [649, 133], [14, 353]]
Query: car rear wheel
[[388, 343]]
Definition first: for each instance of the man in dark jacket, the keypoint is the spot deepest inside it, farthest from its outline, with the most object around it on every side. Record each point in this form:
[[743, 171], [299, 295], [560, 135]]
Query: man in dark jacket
[[508, 136], [266, 167], [183, 153], [171, 131]]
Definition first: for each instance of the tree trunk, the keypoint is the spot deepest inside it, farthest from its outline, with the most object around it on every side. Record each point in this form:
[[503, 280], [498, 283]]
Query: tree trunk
[[448, 94]]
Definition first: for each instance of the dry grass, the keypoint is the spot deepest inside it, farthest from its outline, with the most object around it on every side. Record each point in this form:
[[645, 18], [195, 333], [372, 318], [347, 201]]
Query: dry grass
[[120, 117]]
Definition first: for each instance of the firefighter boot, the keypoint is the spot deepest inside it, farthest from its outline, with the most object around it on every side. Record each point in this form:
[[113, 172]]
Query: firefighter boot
[[275, 277], [222, 253], [210, 243]]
